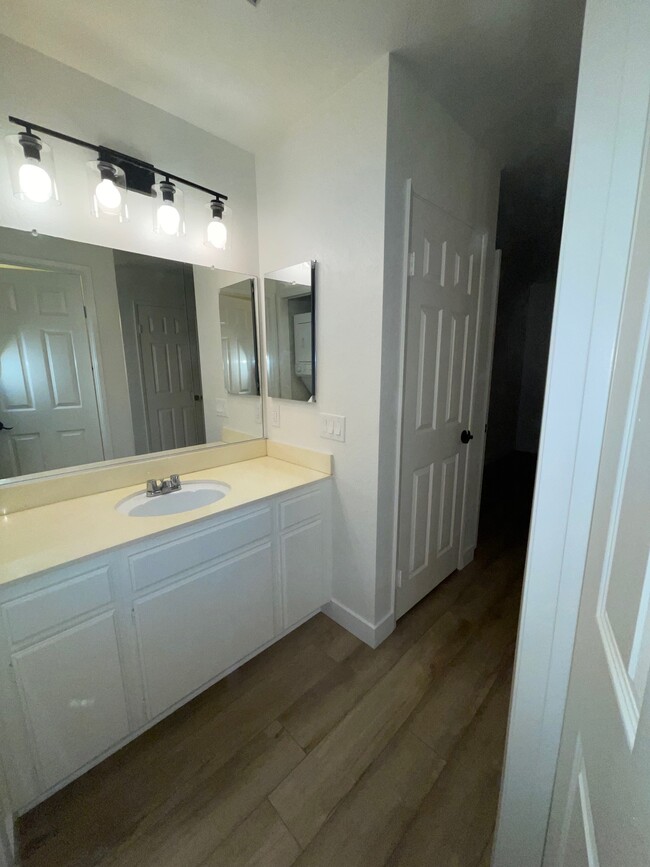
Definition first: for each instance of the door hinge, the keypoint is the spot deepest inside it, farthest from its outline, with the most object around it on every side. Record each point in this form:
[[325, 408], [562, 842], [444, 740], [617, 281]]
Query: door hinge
[[411, 264], [85, 312], [398, 577], [140, 329]]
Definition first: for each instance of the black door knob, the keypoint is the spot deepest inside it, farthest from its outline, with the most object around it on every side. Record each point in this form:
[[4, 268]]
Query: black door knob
[[466, 436], [4, 427]]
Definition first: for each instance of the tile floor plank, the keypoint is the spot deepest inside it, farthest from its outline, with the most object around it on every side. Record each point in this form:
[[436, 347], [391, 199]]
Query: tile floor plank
[[452, 703], [456, 818], [310, 793], [262, 840], [369, 821], [197, 818]]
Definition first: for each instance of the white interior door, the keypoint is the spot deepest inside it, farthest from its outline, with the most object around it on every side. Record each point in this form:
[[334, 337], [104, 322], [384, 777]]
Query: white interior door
[[441, 331], [600, 813], [167, 377], [47, 391]]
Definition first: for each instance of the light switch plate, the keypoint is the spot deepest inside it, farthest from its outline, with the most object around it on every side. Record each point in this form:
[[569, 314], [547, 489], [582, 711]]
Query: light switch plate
[[332, 427], [221, 406], [275, 415]]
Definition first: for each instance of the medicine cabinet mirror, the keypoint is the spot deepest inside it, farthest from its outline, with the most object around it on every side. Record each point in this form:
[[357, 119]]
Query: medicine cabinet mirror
[[108, 354], [290, 303]]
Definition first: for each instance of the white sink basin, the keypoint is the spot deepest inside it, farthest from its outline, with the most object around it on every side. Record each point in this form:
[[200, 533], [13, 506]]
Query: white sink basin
[[192, 495]]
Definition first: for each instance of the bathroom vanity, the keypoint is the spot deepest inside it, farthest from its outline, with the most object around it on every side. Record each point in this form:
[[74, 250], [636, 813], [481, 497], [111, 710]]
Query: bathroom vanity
[[106, 641]]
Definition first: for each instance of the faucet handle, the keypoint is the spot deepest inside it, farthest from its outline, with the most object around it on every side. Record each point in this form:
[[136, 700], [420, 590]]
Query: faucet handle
[[175, 480], [153, 487]]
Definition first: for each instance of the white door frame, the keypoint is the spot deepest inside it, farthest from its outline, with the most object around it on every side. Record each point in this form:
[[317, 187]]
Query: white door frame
[[92, 327], [606, 162]]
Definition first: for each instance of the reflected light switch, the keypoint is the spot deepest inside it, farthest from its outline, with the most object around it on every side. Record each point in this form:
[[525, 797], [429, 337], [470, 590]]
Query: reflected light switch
[[221, 406]]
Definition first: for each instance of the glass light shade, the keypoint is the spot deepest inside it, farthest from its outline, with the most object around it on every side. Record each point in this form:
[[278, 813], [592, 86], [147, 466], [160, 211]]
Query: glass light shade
[[31, 167], [168, 210], [217, 234], [217, 230], [107, 184]]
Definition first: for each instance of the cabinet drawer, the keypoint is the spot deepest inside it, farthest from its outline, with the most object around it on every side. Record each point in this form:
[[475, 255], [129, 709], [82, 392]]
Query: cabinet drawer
[[53, 606], [301, 508], [171, 558]]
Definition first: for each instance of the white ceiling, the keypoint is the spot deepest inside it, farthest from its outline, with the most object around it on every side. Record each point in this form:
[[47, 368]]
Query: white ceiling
[[506, 69]]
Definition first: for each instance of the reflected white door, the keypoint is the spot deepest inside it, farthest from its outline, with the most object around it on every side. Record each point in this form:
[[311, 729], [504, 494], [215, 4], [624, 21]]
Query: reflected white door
[[441, 331], [237, 344], [601, 803], [167, 377], [47, 391]]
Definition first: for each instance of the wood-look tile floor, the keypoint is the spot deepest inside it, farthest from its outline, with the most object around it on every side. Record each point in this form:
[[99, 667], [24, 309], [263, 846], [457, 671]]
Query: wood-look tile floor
[[320, 751]]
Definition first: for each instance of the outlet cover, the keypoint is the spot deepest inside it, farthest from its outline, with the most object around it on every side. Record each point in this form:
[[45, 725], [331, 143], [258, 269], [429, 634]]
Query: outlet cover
[[275, 415], [332, 427], [221, 406]]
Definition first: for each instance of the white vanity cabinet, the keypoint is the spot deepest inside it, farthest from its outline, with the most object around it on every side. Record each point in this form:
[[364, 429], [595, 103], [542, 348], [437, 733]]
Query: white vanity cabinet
[[93, 653]]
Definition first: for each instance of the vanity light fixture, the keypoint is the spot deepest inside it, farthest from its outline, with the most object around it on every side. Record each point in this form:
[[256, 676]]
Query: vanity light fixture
[[112, 175], [217, 231], [167, 206], [108, 188], [32, 167]]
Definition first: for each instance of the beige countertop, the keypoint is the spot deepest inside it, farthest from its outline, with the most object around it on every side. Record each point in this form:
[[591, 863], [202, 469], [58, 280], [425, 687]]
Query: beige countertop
[[37, 539]]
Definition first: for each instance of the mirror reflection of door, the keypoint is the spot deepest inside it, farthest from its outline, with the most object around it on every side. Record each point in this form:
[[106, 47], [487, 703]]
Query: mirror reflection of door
[[169, 392], [159, 331], [48, 404], [237, 317]]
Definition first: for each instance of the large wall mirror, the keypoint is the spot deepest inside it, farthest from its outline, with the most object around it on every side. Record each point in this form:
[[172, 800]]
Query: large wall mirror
[[289, 299], [107, 354]]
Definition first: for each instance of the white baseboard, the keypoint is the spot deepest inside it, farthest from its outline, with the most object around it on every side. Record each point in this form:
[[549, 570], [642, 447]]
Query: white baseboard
[[466, 557], [369, 633]]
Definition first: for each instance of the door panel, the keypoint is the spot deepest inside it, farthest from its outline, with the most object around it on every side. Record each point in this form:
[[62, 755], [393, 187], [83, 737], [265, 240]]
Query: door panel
[[47, 390], [600, 813], [71, 686], [191, 631], [167, 377], [441, 330]]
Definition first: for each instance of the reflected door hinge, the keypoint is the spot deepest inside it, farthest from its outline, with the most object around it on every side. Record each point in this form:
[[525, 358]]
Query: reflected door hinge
[[411, 264], [85, 312], [398, 578]]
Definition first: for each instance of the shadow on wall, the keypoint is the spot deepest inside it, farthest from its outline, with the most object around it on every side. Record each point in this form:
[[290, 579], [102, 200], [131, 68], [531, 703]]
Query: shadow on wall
[[529, 233]]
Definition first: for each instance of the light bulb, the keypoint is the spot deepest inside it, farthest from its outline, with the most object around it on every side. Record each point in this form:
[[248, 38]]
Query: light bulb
[[35, 182], [168, 219], [217, 234], [108, 194]]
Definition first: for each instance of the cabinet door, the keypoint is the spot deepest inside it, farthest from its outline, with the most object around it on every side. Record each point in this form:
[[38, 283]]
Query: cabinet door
[[190, 632], [301, 557], [73, 697]]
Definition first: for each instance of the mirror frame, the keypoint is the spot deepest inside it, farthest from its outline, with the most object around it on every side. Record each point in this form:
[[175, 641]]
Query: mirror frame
[[76, 469]]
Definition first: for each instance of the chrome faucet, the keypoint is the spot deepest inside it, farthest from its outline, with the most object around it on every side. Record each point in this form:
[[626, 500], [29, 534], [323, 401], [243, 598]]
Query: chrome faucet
[[157, 487]]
